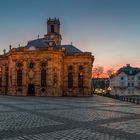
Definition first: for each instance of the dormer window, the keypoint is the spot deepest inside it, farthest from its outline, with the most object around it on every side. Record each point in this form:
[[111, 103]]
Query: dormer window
[[32, 48], [50, 43], [130, 72]]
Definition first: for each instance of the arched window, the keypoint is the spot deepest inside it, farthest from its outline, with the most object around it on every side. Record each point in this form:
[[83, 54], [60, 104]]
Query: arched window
[[43, 77], [19, 77], [80, 77], [0, 76], [80, 80], [6, 74], [52, 28], [70, 80], [70, 77], [0, 80]]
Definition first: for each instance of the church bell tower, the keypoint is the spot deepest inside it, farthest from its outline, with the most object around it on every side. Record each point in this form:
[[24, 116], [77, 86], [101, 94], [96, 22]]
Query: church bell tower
[[53, 31]]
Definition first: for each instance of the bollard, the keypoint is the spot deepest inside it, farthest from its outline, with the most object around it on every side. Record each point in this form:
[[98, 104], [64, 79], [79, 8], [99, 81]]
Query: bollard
[[137, 101], [124, 98]]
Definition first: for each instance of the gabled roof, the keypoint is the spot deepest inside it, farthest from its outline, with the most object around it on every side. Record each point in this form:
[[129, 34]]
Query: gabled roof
[[129, 70]]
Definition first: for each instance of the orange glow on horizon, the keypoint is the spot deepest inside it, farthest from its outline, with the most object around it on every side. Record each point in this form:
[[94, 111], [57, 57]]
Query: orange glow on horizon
[[105, 73]]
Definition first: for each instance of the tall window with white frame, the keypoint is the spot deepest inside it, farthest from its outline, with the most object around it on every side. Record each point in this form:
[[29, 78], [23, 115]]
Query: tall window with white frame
[[81, 77], [70, 77]]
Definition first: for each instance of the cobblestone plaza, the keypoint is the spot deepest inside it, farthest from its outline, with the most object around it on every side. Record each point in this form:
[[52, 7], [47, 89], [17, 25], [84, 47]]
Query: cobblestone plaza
[[68, 118]]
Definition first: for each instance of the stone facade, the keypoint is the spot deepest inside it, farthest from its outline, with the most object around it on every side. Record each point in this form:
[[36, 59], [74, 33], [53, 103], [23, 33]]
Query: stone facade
[[44, 67]]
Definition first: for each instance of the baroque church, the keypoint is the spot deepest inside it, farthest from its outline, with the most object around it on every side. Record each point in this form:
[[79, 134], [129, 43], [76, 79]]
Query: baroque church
[[44, 67]]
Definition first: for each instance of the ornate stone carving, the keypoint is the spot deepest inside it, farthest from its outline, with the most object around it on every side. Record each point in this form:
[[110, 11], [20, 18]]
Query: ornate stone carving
[[31, 75]]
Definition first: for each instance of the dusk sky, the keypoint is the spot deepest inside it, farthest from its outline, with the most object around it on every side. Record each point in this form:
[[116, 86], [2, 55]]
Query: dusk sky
[[110, 29]]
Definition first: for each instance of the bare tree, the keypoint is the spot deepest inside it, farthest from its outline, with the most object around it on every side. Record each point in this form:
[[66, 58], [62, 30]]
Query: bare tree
[[110, 72], [98, 71]]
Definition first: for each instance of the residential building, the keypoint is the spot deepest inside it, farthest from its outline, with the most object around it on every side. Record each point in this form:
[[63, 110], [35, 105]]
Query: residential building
[[126, 81]]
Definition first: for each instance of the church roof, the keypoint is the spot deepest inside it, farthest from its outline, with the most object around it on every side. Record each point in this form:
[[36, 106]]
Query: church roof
[[70, 49], [43, 43], [38, 43]]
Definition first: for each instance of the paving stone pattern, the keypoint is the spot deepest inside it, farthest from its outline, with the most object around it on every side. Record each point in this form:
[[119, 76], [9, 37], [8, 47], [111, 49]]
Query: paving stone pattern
[[68, 118]]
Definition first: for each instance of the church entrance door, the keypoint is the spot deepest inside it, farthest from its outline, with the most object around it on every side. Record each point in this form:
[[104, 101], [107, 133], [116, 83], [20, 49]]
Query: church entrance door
[[31, 89]]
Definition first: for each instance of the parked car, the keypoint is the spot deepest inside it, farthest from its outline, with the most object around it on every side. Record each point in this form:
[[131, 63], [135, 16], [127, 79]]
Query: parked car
[[99, 91]]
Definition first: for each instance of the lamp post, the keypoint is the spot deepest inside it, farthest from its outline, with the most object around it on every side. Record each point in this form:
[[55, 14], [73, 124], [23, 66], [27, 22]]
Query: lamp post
[[105, 86]]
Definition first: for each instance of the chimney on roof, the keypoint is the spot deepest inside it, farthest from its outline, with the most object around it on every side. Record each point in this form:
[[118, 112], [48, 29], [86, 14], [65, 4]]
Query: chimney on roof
[[38, 36], [63, 48], [4, 51], [128, 65], [10, 47]]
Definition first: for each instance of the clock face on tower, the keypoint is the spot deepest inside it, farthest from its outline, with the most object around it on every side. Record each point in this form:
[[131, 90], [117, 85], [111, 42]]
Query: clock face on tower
[[52, 36]]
